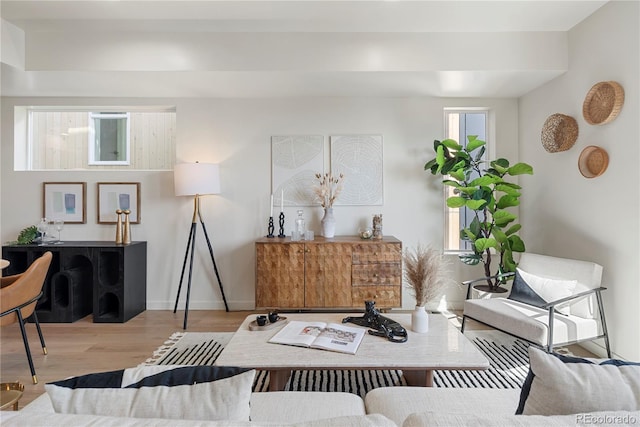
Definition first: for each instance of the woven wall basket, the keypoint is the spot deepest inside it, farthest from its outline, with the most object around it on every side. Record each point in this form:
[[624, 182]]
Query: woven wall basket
[[559, 133], [603, 103], [593, 161]]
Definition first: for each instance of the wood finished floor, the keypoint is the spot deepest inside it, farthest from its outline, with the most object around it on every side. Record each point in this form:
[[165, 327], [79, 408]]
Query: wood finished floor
[[83, 347]]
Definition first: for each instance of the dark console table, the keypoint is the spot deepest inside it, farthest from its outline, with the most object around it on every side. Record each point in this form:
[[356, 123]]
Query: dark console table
[[96, 277]]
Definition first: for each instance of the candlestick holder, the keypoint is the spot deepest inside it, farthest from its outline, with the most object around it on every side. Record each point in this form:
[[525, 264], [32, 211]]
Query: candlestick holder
[[270, 228], [282, 225]]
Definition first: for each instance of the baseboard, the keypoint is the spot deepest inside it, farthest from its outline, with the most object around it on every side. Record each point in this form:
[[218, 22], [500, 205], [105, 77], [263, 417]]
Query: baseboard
[[201, 305], [597, 349]]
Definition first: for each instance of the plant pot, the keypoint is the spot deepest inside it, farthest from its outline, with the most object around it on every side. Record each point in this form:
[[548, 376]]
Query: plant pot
[[487, 288], [420, 320], [328, 223]]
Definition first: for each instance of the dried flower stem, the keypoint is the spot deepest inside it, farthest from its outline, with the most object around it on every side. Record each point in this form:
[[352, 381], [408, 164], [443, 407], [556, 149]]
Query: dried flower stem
[[328, 189], [426, 273]]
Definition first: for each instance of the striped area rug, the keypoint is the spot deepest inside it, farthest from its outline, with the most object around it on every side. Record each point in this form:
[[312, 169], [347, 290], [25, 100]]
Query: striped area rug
[[508, 357]]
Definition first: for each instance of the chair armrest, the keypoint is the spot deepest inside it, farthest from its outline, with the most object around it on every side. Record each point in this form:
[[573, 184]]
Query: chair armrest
[[7, 280], [571, 297]]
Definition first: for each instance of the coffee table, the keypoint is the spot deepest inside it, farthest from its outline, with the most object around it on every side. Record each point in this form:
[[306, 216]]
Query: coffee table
[[442, 348]]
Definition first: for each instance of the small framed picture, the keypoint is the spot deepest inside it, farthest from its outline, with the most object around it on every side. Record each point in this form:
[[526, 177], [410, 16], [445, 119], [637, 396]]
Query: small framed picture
[[113, 196], [65, 201]]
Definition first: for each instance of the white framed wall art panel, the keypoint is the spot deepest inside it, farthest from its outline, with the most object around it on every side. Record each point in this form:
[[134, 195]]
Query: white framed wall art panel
[[295, 160], [359, 158]]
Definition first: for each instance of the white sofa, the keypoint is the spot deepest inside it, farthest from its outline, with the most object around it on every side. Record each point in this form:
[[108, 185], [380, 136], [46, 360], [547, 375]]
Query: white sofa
[[384, 407]]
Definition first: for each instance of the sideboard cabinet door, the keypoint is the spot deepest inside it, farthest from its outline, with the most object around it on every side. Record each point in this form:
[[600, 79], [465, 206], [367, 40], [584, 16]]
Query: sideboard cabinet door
[[280, 275], [341, 272]]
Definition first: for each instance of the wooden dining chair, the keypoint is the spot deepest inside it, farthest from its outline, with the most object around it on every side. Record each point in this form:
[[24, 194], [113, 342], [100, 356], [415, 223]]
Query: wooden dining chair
[[18, 297]]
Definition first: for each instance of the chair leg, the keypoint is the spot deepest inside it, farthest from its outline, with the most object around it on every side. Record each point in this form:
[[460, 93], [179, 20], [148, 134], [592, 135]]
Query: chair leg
[[604, 323], [23, 330], [464, 319], [44, 346]]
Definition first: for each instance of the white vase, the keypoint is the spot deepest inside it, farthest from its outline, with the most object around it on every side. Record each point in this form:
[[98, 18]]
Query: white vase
[[419, 320], [328, 223]]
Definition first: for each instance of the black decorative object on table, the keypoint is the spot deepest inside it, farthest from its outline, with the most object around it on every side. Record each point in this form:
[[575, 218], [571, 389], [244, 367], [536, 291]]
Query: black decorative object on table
[[270, 228], [282, 225], [384, 327]]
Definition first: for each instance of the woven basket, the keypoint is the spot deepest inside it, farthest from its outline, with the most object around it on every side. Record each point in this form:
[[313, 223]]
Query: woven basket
[[603, 103], [559, 133], [593, 161]]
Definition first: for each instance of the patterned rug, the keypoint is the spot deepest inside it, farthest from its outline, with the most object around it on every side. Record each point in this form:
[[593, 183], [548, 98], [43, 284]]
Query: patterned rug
[[507, 355]]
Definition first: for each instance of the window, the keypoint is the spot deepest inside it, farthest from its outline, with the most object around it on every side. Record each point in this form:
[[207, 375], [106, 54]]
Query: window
[[460, 123], [94, 138], [109, 138]]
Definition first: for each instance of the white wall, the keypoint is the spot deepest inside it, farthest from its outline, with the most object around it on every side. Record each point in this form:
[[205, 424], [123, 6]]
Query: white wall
[[236, 134], [598, 219]]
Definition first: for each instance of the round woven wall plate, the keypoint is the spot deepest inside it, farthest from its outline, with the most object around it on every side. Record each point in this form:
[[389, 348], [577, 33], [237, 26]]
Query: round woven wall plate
[[593, 161], [603, 103], [559, 133]]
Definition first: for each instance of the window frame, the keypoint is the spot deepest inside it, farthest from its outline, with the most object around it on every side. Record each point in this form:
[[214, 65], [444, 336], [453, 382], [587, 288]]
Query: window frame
[[92, 142], [463, 220], [26, 149]]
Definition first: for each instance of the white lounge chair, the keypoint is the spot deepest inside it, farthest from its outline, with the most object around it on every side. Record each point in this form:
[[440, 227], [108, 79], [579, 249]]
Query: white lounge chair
[[580, 319]]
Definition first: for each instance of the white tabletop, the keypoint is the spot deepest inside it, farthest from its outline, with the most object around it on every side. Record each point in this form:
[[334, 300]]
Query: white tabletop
[[443, 347], [4, 263]]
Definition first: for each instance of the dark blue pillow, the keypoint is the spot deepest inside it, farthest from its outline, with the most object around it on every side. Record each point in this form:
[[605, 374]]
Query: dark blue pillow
[[522, 292]]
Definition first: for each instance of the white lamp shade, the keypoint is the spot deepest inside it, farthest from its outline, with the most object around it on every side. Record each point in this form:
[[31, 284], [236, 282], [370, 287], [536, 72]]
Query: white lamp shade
[[196, 178]]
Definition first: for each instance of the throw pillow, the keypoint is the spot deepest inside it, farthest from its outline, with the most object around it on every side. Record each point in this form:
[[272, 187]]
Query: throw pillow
[[537, 291], [561, 385], [174, 392]]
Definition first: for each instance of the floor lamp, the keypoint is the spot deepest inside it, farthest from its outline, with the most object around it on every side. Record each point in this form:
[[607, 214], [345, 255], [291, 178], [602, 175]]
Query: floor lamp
[[196, 179]]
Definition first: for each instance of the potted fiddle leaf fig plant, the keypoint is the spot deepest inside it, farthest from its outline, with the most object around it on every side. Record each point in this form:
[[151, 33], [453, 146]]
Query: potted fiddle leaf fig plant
[[488, 194]]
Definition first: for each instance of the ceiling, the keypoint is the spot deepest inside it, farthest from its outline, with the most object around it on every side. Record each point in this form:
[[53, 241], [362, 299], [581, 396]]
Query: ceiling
[[266, 48]]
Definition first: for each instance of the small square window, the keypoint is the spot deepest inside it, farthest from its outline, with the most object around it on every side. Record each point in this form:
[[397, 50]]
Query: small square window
[[109, 139]]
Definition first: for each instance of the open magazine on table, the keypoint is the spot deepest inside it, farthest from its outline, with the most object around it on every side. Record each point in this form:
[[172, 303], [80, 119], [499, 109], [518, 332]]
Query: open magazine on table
[[325, 336]]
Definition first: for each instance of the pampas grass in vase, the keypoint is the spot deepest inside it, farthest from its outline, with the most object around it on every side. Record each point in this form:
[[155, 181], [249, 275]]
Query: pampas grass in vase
[[426, 273]]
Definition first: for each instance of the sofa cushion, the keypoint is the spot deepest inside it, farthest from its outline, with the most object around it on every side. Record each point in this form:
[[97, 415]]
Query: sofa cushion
[[537, 291], [160, 391], [442, 419], [19, 419], [397, 403], [559, 385], [299, 406], [529, 322]]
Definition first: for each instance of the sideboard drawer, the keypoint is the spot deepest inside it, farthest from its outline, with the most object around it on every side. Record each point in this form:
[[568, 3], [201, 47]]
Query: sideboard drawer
[[376, 274], [377, 252], [384, 296]]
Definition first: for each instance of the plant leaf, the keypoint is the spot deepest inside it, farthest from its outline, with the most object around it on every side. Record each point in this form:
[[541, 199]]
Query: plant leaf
[[430, 164], [470, 259], [474, 144], [500, 236], [452, 144], [476, 204], [517, 245], [507, 201], [455, 202], [457, 174], [520, 169], [483, 244], [513, 229], [484, 180], [507, 189], [502, 218], [440, 158]]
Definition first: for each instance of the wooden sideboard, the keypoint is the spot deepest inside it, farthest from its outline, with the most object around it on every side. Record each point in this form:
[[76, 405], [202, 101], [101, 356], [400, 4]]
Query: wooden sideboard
[[341, 272], [87, 277]]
